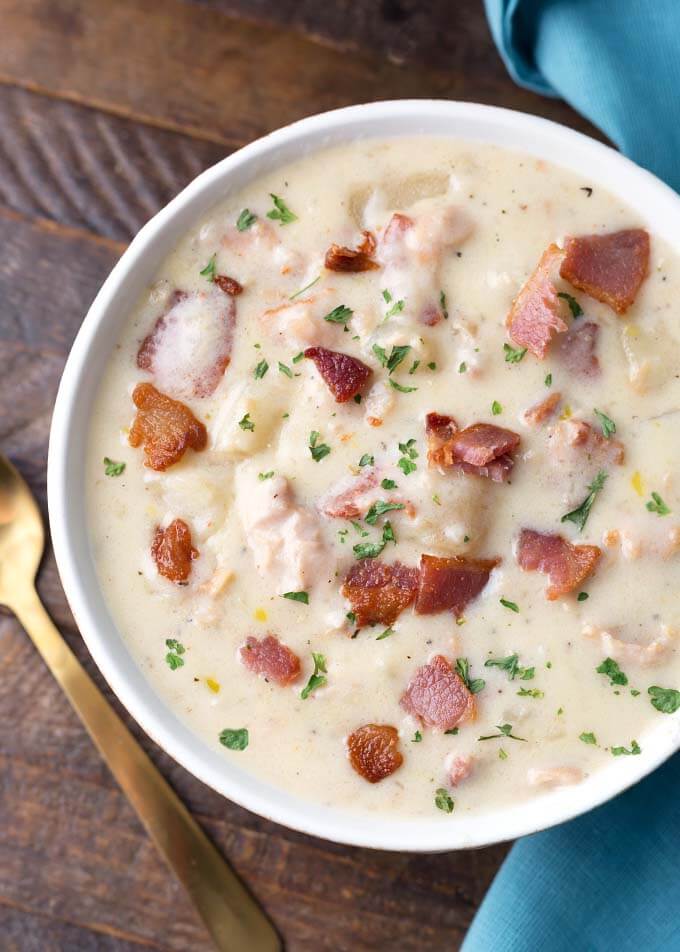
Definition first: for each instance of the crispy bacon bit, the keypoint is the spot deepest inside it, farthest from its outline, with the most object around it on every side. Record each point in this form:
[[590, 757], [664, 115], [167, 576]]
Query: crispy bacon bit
[[229, 285], [189, 347], [165, 427], [610, 268], [480, 450], [577, 349], [173, 552], [449, 584], [570, 434], [438, 696], [374, 751], [345, 376], [341, 258], [269, 657], [566, 564], [379, 592], [534, 317], [460, 768], [540, 412]]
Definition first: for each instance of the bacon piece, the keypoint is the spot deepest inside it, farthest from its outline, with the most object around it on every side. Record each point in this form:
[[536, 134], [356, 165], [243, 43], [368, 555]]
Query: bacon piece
[[480, 450], [173, 552], [341, 258], [610, 268], [576, 436], [540, 412], [566, 564], [165, 427], [554, 776], [189, 347], [379, 592], [576, 350], [460, 768], [450, 584], [438, 696], [534, 317], [269, 657], [374, 751], [344, 376], [229, 285]]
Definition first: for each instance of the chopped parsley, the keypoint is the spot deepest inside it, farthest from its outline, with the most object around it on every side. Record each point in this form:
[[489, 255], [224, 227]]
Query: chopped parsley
[[367, 460], [442, 305], [657, 505], [513, 606], [610, 668], [414, 366], [452, 730], [474, 685], [548, 380], [386, 634], [388, 534], [502, 754], [173, 658], [387, 483], [397, 355], [431, 366], [588, 738], [379, 508], [297, 597], [582, 596], [317, 679], [462, 367], [505, 731], [284, 369], [417, 737], [579, 516], [280, 212], [623, 751], [306, 288], [409, 454], [339, 315], [496, 408], [387, 297], [210, 270], [396, 308], [368, 550], [443, 801], [261, 370], [512, 666], [665, 700], [318, 450], [246, 423], [574, 306], [607, 424], [513, 355], [234, 739], [113, 468], [267, 475], [530, 692], [298, 358], [245, 220], [400, 387]]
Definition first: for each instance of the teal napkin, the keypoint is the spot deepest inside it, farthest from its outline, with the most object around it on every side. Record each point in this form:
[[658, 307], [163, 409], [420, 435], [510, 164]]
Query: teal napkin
[[608, 881], [615, 61]]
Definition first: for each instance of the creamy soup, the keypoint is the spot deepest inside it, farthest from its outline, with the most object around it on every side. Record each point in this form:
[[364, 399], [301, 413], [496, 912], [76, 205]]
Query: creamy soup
[[383, 478]]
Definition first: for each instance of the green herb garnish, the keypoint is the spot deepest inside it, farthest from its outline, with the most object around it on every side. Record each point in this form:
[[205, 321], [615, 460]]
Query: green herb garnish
[[442, 305], [579, 516], [474, 685], [246, 423], [367, 460], [285, 370], [379, 508], [417, 738], [530, 692], [607, 424], [339, 315], [665, 700], [113, 468], [234, 739], [297, 597], [588, 738], [210, 270], [173, 658], [657, 505], [318, 450], [443, 801], [280, 212], [548, 380], [513, 606], [388, 484], [317, 679], [574, 306], [386, 634], [261, 370], [496, 408], [505, 731], [623, 751], [512, 667], [245, 220], [513, 355], [610, 668]]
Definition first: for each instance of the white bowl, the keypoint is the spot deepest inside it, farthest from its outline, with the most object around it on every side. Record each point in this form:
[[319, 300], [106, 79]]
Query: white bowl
[[652, 201]]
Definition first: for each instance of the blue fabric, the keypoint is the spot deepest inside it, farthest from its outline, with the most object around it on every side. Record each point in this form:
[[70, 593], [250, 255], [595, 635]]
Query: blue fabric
[[608, 881], [617, 62]]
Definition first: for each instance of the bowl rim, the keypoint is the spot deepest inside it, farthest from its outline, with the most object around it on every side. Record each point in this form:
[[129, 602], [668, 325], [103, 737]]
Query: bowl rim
[[507, 128]]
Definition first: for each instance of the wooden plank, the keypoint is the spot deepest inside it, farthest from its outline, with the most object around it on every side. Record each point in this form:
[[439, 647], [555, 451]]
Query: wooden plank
[[89, 170], [24, 931], [222, 79]]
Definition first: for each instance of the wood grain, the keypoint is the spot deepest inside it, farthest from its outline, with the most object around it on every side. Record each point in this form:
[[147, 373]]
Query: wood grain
[[106, 111]]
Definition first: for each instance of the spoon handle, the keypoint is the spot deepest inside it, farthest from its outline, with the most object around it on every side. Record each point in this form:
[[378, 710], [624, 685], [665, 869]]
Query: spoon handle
[[231, 915]]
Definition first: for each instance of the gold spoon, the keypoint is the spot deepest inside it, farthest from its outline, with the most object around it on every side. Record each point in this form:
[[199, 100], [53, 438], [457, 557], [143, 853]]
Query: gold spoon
[[231, 915]]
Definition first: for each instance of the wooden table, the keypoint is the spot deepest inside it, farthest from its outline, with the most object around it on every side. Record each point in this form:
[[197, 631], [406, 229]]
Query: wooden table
[[106, 110]]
